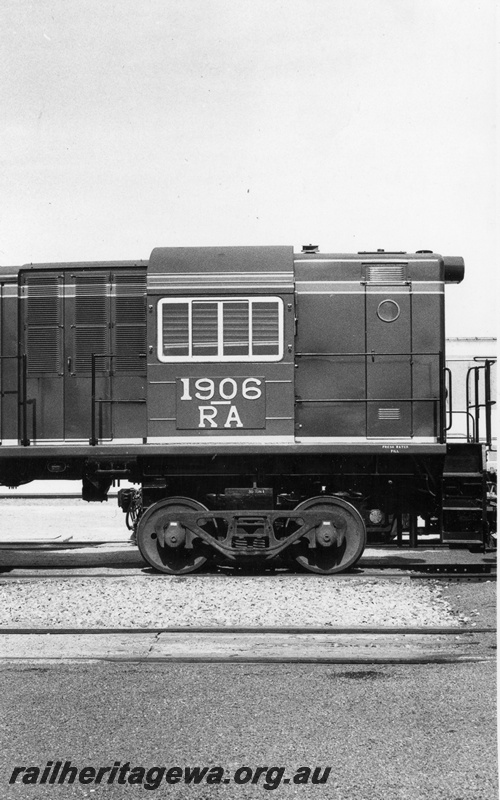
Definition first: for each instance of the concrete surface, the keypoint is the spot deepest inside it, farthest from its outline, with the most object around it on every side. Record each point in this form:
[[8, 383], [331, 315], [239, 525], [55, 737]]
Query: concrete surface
[[408, 732], [360, 647]]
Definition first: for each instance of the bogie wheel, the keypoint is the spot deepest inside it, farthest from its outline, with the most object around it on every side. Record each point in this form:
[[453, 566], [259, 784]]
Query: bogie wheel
[[160, 521], [340, 541]]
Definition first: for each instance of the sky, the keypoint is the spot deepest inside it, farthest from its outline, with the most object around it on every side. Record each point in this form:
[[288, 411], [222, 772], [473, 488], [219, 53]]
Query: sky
[[351, 124]]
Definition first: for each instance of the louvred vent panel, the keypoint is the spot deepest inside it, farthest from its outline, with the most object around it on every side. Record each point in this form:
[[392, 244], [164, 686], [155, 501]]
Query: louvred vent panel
[[389, 413], [130, 299], [130, 349], [88, 341], [386, 273], [44, 351], [91, 322], [265, 328], [205, 329], [91, 284], [43, 323], [129, 339], [176, 329], [90, 310], [236, 328]]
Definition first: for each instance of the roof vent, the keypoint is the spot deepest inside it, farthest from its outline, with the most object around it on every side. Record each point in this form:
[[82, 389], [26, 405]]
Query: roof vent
[[385, 252], [310, 248], [386, 273]]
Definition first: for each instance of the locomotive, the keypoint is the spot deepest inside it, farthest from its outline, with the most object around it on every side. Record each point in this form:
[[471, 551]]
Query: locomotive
[[270, 405]]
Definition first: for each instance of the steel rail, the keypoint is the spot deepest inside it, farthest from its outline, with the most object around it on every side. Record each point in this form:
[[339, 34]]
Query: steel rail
[[386, 630], [327, 660]]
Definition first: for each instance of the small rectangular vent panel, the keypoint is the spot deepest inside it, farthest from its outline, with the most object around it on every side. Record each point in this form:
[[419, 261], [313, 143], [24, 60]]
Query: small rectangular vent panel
[[389, 413], [386, 273]]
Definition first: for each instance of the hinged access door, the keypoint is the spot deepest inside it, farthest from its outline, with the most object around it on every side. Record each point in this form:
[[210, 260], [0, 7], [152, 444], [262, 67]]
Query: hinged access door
[[42, 355], [87, 332], [388, 361], [83, 347]]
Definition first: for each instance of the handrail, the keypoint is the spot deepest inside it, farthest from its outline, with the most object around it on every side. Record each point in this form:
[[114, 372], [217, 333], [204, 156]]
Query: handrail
[[94, 356], [370, 353], [466, 435], [22, 404], [24, 383], [474, 404], [369, 400], [449, 397], [489, 403]]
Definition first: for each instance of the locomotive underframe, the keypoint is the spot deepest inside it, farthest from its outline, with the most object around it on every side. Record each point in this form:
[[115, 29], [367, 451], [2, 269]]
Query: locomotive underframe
[[395, 484], [297, 474]]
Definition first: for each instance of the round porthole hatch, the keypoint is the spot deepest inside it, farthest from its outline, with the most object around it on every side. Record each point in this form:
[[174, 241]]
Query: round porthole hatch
[[388, 311]]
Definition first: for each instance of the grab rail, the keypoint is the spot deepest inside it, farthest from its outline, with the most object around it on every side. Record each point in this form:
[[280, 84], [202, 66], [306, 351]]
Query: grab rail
[[94, 440], [473, 404]]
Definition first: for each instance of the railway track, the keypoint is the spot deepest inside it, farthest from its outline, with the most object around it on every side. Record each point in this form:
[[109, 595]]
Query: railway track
[[303, 630]]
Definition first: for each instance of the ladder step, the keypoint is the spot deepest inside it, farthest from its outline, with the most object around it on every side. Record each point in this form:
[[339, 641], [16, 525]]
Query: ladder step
[[472, 510], [478, 475]]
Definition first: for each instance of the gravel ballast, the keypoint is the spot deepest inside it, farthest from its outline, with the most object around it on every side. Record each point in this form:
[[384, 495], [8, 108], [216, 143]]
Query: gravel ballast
[[218, 601]]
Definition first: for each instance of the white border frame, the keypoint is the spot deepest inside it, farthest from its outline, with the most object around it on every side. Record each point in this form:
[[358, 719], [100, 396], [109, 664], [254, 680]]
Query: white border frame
[[190, 359]]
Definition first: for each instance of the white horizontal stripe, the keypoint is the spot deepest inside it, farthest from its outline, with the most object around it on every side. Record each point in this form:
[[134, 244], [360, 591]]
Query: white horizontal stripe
[[186, 287], [366, 440], [236, 440], [160, 365], [372, 291], [76, 442], [363, 283], [376, 262], [222, 440], [174, 275]]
